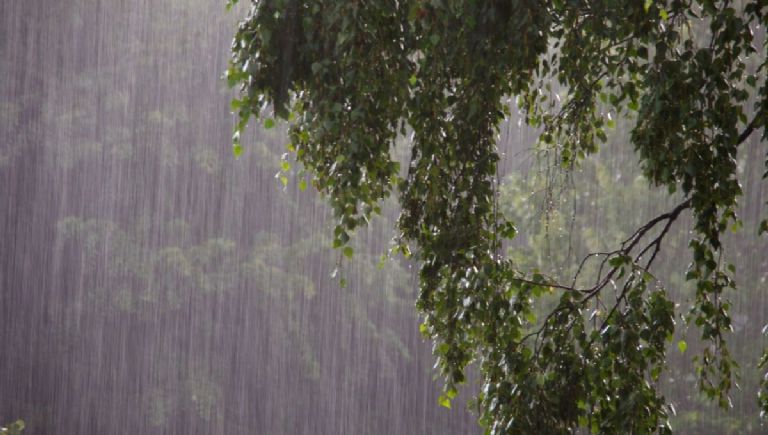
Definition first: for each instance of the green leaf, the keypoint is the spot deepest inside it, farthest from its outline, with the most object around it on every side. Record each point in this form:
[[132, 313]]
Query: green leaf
[[269, 123], [348, 251], [382, 262], [303, 185], [601, 135], [531, 317], [618, 261], [508, 231], [443, 348], [647, 5], [341, 237], [237, 150], [444, 401], [682, 346], [423, 329], [656, 373]]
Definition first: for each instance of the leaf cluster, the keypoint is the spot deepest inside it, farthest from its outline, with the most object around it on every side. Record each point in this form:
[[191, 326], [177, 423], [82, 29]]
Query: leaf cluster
[[353, 77]]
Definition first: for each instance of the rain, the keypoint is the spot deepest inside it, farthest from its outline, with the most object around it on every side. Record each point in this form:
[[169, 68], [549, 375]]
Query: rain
[[153, 283]]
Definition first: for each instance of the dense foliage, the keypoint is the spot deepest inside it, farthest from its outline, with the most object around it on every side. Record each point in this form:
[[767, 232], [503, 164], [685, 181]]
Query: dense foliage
[[353, 77]]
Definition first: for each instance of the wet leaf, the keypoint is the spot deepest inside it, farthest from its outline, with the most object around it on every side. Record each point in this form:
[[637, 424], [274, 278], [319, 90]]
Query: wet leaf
[[444, 401], [237, 150]]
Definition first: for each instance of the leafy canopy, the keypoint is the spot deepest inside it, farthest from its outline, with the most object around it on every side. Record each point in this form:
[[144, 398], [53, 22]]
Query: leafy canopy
[[354, 76]]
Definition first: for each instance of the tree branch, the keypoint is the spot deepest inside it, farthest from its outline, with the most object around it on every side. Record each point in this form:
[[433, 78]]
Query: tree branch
[[626, 248], [750, 128]]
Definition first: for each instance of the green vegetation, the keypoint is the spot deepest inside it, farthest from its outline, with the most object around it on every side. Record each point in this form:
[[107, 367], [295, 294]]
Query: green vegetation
[[687, 86], [152, 284], [14, 428]]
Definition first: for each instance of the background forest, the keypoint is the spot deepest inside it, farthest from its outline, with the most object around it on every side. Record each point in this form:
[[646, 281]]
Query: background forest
[[152, 283]]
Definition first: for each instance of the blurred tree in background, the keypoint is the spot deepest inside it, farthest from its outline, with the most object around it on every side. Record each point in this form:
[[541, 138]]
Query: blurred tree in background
[[152, 284], [687, 79], [14, 428]]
